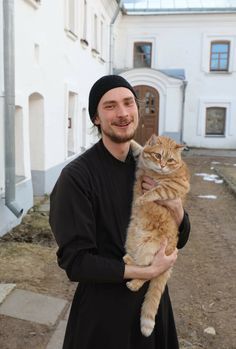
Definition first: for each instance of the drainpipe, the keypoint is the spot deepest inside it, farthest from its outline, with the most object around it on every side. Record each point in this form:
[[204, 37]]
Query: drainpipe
[[182, 111], [9, 107], [111, 49]]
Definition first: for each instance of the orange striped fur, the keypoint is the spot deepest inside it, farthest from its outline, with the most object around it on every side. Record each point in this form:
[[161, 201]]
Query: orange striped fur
[[150, 223]]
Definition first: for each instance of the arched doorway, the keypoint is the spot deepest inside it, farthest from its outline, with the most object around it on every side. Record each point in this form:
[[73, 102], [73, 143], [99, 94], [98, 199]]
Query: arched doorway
[[19, 145], [36, 138], [149, 112]]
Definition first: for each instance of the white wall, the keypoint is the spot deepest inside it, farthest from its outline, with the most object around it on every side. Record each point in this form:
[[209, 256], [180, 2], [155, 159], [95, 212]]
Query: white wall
[[52, 62], [1, 104], [183, 42]]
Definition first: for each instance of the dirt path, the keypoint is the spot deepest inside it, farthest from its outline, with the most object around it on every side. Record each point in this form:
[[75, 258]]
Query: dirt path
[[202, 287]]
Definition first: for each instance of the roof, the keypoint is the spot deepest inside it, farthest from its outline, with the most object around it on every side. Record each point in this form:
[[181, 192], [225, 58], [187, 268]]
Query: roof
[[138, 7]]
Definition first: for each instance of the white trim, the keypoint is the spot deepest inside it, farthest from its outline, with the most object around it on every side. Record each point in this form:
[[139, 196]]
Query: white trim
[[34, 3], [207, 39], [214, 102], [160, 82], [71, 88], [72, 32], [139, 38]]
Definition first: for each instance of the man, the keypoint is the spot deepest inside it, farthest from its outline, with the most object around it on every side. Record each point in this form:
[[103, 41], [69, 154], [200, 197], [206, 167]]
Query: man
[[89, 216]]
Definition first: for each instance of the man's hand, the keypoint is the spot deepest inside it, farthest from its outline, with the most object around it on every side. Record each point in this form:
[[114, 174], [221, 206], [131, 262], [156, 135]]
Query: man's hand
[[161, 263], [175, 205]]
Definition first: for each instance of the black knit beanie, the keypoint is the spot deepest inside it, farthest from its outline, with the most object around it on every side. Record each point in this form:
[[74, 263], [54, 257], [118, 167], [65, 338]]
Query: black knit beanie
[[103, 85]]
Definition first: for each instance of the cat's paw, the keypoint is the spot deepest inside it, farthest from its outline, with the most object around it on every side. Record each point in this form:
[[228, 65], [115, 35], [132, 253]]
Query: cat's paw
[[136, 148], [139, 201], [128, 259], [134, 285]]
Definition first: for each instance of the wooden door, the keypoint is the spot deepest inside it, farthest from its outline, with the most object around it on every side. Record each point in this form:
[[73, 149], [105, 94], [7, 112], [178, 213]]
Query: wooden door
[[149, 113]]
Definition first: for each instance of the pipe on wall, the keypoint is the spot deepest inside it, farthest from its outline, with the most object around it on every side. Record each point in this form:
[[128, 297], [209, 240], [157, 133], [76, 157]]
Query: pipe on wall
[[111, 49], [9, 107], [184, 85]]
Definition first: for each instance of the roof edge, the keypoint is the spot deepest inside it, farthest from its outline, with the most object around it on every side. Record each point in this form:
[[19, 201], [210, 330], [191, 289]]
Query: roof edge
[[166, 11]]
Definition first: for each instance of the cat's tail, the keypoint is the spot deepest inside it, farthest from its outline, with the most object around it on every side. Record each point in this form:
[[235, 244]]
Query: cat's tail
[[152, 301]]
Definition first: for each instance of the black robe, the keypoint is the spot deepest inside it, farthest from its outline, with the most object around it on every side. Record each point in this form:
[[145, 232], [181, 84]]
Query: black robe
[[89, 215]]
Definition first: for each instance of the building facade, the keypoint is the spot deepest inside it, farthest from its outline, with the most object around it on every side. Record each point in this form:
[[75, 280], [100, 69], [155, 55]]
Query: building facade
[[61, 48], [182, 66]]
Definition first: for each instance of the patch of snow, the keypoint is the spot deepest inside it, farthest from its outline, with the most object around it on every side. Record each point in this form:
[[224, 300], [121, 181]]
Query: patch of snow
[[210, 177], [219, 181], [207, 196], [210, 330]]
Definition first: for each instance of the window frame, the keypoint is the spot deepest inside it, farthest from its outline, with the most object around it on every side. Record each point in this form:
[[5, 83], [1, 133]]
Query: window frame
[[226, 103], [151, 51], [218, 69], [225, 121], [95, 32], [72, 33], [34, 3], [84, 20]]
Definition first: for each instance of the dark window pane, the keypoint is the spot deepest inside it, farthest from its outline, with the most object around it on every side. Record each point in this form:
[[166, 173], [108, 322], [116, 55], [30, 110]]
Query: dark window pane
[[220, 47], [219, 56], [215, 121], [223, 64], [142, 55], [224, 56]]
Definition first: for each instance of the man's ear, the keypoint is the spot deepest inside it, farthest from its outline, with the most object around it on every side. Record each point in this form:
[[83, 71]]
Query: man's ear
[[96, 120]]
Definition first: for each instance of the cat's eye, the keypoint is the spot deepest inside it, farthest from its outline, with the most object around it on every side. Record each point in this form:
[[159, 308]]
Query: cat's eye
[[157, 155], [171, 160]]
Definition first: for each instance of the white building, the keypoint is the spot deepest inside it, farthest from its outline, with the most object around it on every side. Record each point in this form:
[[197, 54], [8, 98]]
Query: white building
[[181, 62], [185, 64], [61, 48]]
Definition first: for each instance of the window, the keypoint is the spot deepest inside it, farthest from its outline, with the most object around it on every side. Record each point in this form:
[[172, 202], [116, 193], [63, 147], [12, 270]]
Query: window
[[219, 60], [71, 16], [215, 121], [102, 39], [71, 123], [34, 3], [71, 19], [84, 37], [95, 34], [142, 54]]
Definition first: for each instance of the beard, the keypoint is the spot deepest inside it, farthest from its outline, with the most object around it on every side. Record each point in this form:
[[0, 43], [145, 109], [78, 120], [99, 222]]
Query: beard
[[115, 136]]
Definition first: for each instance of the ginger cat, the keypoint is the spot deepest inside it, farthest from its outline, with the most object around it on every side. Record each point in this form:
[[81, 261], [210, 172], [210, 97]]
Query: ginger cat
[[151, 223]]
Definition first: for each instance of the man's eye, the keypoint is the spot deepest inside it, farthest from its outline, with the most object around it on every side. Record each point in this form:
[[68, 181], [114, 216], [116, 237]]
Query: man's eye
[[129, 103], [109, 106]]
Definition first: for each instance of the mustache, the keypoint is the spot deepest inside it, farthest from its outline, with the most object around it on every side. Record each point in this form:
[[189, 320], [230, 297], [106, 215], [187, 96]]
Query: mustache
[[122, 122]]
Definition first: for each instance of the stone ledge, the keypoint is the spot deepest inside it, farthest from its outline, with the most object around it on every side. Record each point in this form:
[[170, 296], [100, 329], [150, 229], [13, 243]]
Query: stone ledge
[[5, 290]]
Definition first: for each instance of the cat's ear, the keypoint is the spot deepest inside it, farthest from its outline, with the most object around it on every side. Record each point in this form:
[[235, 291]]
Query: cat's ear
[[180, 146], [152, 140]]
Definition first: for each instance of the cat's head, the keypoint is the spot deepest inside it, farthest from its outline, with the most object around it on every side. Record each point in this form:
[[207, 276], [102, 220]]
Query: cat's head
[[161, 154]]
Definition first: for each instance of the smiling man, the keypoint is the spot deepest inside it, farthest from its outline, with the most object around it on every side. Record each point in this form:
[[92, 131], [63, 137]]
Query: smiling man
[[89, 216]]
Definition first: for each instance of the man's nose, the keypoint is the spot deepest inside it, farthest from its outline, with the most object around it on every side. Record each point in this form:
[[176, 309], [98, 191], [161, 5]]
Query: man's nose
[[121, 110]]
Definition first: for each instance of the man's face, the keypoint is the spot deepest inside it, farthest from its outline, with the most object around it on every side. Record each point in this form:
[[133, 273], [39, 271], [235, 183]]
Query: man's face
[[117, 115]]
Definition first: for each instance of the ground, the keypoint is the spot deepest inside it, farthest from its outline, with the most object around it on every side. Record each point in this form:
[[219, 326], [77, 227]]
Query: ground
[[202, 286]]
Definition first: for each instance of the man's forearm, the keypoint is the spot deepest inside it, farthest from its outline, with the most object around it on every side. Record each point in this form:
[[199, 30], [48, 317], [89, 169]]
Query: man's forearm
[[138, 272]]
